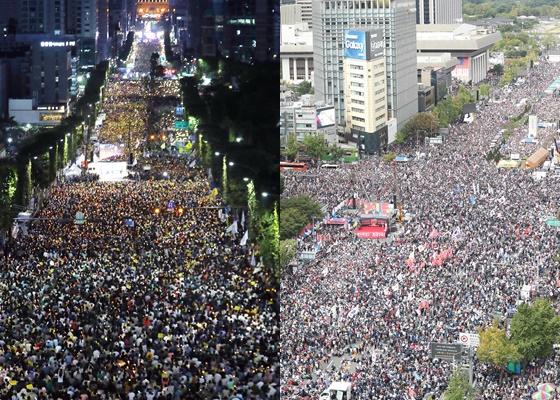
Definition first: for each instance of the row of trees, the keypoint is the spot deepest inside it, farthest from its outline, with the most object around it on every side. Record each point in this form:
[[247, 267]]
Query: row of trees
[[41, 155], [443, 114], [314, 146], [534, 330], [508, 9], [236, 124]]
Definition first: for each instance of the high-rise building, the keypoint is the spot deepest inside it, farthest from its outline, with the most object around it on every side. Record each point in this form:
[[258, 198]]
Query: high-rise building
[[252, 30], [439, 11], [103, 29], [42, 16], [365, 89], [397, 20], [82, 21], [306, 11]]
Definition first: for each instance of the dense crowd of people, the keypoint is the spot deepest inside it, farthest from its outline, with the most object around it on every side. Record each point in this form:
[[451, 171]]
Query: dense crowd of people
[[475, 235], [150, 297]]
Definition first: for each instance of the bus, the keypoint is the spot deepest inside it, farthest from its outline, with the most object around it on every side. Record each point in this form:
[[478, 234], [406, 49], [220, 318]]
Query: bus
[[298, 166]]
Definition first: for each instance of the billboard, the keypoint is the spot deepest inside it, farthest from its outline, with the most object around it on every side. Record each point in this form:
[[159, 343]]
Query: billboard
[[376, 44], [355, 44], [325, 117], [462, 68], [364, 45]]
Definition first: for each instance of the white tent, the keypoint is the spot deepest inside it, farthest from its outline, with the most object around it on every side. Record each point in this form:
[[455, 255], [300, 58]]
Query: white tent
[[73, 170]]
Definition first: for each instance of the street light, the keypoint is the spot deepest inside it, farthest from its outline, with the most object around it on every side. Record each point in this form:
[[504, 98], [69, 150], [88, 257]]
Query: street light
[[231, 164]]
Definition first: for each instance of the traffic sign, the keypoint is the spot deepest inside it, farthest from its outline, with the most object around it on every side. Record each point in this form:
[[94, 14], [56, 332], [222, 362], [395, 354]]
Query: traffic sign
[[451, 352], [464, 338], [469, 339], [181, 124], [79, 218], [553, 222]]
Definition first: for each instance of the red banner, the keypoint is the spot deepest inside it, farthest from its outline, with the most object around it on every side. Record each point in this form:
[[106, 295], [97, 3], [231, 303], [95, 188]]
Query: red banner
[[372, 232]]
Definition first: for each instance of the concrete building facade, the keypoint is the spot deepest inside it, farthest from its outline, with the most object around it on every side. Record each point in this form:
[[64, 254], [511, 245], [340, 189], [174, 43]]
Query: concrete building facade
[[296, 53], [466, 42], [365, 89], [397, 20], [439, 11]]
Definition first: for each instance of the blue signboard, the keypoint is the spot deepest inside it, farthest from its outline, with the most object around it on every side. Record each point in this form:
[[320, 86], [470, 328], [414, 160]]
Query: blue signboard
[[355, 44]]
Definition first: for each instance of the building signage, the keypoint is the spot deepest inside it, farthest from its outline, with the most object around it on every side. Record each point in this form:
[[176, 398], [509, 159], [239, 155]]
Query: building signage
[[462, 68], [364, 45], [376, 44], [50, 108], [58, 44], [50, 117], [355, 44]]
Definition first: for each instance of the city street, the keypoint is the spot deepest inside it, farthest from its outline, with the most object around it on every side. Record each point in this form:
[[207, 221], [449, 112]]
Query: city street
[[147, 295]]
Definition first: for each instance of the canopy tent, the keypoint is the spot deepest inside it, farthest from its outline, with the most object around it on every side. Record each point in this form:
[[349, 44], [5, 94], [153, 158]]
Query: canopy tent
[[529, 140], [73, 170], [536, 159]]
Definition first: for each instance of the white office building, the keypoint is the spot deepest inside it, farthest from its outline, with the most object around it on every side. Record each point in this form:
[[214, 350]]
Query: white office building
[[397, 20]]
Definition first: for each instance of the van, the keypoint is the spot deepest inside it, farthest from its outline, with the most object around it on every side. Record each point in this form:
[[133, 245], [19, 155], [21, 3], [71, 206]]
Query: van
[[338, 391]]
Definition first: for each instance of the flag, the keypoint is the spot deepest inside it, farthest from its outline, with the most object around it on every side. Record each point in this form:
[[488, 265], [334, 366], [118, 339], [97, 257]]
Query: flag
[[353, 311], [253, 262], [244, 239], [457, 234], [411, 393], [15, 230], [193, 163], [129, 222], [434, 234], [23, 229], [243, 219], [213, 193], [325, 271], [232, 228]]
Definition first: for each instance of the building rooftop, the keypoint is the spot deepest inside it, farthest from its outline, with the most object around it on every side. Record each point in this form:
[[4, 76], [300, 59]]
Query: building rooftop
[[453, 37]]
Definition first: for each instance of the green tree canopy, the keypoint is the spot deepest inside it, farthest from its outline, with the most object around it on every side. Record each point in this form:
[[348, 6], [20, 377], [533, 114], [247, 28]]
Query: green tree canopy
[[288, 249], [336, 152], [459, 387], [464, 96], [535, 329], [446, 112], [495, 348], [304, 88], [292, 147], [314, 145], [296, 212], [423, 121]]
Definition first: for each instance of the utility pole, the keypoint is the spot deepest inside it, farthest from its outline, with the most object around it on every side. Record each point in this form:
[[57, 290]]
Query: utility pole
[[471, 365]]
